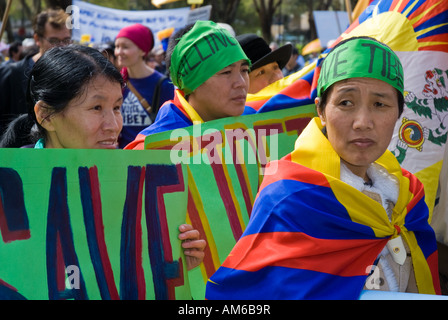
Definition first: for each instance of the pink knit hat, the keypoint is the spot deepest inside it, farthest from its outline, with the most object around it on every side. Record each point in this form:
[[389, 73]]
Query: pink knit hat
[[139, 34]]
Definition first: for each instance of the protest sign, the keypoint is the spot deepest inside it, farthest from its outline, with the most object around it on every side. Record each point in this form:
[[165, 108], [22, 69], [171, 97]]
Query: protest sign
[[101, 24], [91, 224], [330, 25], [225, 161], [101, 224]]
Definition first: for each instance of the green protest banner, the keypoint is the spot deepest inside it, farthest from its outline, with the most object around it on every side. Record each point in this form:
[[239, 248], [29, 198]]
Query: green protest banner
[[225, 160], [91, 224]]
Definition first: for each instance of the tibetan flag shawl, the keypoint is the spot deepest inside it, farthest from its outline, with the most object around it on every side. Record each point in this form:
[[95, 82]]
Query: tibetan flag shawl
[[312, 236]]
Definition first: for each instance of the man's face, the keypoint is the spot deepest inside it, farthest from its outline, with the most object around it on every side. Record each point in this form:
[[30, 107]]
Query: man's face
[[53, 37], [264, 76]]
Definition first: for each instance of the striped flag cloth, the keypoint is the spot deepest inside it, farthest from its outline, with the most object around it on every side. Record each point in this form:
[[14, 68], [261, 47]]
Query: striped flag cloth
[[312, 236]]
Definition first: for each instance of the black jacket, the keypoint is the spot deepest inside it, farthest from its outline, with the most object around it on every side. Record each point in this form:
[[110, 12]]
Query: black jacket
[[13, 86]]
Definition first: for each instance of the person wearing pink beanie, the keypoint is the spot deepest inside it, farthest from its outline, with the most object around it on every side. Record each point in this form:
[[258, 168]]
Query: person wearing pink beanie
[[132, 45], [146, 88]]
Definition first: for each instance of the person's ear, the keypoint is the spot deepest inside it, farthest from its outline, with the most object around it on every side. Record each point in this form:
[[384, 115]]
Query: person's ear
[[143, 54], [37, 40], [320, 112], [43, 115]]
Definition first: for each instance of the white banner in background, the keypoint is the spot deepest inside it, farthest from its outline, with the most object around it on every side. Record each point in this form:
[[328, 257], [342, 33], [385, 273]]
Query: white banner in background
[[101, 24]]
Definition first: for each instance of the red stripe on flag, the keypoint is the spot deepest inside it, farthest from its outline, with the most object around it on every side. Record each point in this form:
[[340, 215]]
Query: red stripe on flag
[[435, 47], [292, 171], [416, 188], [300, 89], [301, 251], [256, 105], [433, 263], [422, 10], [402, 5]]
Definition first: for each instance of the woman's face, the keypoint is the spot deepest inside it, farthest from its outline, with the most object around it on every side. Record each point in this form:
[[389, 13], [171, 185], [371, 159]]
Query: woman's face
[[360, 117], [127, 53], [223, 94], [91, 121]]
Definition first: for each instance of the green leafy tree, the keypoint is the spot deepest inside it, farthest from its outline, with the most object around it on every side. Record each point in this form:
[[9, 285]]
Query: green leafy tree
[[265, 10]]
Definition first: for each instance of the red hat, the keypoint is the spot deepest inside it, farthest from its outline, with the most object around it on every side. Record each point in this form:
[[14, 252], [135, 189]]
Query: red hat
[[139, 34]]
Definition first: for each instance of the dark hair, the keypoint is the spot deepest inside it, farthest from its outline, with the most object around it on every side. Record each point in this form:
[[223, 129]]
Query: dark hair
[[17, 133], [62, 74], [326, 93], [173, 41], [14, 48]]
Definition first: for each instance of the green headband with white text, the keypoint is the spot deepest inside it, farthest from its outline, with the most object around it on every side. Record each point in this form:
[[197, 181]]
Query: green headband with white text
[[201, 52], [360, 58]]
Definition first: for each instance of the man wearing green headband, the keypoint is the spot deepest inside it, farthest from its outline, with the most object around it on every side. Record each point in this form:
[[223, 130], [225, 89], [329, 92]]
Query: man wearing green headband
[[211, 73], [338, 214]]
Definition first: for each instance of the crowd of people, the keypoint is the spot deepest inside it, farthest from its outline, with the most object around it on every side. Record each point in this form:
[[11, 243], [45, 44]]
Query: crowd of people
[[73, 96]]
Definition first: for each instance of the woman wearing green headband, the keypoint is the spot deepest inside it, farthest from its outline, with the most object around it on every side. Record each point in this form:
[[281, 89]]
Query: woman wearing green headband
[[338, 214], [211, 72], [360, 98]]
